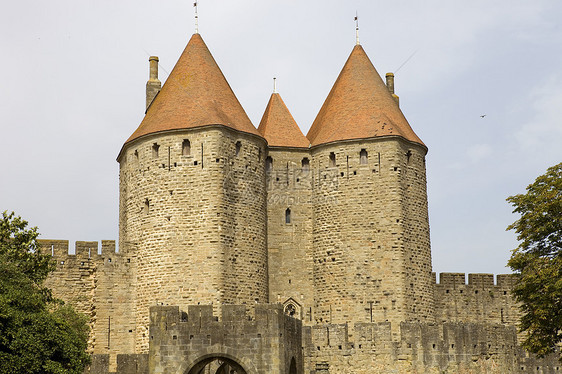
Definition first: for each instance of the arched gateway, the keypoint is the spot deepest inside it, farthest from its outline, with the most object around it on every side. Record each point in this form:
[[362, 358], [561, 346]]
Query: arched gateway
[[197, 342], [217, 364]]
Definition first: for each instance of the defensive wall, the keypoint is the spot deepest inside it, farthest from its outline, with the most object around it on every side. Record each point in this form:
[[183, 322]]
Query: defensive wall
[[479, 300], [421, 348], [100, 285], [473, 313]]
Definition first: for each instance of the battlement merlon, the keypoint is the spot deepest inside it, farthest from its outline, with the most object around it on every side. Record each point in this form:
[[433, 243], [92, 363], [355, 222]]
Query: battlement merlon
[[479, 280], [83, 250], [265, 314]]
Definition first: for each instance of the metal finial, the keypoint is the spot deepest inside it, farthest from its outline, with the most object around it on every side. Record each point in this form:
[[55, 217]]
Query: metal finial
[[196, 18], [274, 85], [356, 28]]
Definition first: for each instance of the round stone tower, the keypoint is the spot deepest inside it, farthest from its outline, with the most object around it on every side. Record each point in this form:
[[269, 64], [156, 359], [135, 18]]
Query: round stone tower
[[192, 195], [372, 258]]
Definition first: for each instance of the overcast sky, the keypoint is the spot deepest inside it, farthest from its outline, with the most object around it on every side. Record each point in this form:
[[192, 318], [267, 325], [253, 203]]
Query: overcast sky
[[73, 77]]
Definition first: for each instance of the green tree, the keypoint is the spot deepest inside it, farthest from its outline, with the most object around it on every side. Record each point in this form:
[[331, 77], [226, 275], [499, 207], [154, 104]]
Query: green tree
[[38, 333], [537, 261]]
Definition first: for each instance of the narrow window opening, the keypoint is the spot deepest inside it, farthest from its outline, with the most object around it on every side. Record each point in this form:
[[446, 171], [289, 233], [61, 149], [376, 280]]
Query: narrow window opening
[[155, 148], [146, 206], [238, 146], [332, 160], [305, 163], [408, 156], [268, 164], [186, 147], [288, 216], [363, 157], [137, 154], [259, 154]]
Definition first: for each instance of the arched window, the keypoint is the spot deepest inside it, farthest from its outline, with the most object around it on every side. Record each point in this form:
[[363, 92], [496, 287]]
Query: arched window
[[186, 147], [288, 215], [238, 147], [268, 164], [155, 148], [332, 160], [305, 163], [363, 157]]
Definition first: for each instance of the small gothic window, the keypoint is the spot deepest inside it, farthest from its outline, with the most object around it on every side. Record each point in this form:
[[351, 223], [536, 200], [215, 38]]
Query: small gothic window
[[155, 148], [238, 146], [288, 216], [136, 154], [146, 206], [363, 157], [332, 159], [305, 165], [290, 310], [186, 147], [268, 163], [408, 156]]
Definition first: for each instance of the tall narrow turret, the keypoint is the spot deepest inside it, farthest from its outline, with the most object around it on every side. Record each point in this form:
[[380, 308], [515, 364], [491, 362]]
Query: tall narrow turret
[[289, 211]]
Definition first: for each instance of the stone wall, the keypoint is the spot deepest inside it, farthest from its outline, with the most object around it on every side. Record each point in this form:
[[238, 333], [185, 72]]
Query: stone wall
[[186, 342], [289, 231], [459, 348], [372, 259], [100, 285], [196, 219], [480, 300]]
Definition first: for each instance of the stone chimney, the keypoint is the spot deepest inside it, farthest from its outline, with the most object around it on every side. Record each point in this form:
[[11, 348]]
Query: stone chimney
[[153, 85], [390, 86]]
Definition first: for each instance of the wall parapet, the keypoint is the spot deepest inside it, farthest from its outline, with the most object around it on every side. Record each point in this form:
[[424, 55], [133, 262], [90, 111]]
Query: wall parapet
[[447, 346], [482, 280]]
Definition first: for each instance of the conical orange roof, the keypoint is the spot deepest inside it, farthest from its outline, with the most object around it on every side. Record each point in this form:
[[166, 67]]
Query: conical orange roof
[[278, 126], [359, 106], [195, 94]]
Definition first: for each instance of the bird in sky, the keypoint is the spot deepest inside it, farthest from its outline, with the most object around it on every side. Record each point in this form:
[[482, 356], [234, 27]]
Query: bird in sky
[[482, 116]]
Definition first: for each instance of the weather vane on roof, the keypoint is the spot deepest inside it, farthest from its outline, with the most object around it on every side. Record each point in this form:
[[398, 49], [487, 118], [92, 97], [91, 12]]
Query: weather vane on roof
[[274, 85], [356, 28], [196, 18]]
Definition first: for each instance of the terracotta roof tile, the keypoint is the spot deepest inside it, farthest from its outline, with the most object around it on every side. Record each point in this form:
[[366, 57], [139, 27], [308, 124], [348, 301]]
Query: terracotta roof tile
[[195, 94], [278, 126], [359, 106]]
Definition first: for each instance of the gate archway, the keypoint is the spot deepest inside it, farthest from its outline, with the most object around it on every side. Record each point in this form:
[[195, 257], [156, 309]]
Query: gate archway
[[217, 364]]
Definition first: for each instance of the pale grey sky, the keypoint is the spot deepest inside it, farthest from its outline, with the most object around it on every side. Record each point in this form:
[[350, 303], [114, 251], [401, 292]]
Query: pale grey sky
[[74, 72]]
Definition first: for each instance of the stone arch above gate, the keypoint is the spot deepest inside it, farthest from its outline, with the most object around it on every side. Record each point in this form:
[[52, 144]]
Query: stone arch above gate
[[198, 365]]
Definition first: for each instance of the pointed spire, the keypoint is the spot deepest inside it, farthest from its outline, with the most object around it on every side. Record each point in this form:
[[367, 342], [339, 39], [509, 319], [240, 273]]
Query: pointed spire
[[359, 106], [274, 85], [195, 94], [278, 126]]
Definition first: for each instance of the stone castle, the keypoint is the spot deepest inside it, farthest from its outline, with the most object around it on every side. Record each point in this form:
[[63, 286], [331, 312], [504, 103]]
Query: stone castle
[[245, 250]]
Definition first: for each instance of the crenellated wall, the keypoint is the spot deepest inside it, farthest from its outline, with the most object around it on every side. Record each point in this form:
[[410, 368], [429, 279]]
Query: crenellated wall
[[478, 300], [267, 342], [459, 348], [100, 285]]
